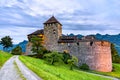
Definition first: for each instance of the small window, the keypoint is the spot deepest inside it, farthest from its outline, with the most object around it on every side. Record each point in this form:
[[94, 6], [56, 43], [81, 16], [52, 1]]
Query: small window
[[62, 43], [68, 44], [54, 31], [78, 44], [91, 43]]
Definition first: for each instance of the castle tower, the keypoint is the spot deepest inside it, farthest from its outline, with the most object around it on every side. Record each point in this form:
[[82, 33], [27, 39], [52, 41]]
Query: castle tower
[[52, 32]]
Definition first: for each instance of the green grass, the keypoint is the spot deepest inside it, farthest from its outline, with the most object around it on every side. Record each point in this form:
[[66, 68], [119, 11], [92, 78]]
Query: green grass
[[4, 56], [56, 72], [114, 73]]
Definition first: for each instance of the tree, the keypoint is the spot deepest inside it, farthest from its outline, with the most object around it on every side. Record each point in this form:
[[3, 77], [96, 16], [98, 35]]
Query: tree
[[17, 51], [72, 61], [37, 46], [115, 55], [6, 42], [66, 56], [53, 57]]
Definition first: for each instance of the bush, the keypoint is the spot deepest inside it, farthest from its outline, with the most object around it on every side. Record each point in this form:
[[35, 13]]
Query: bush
[[84, 66], [66, 56], [72, 61], [53, 57], [17, 51]]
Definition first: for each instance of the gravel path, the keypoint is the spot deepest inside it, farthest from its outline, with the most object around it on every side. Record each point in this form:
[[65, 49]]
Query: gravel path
[[28, 74], [10, 72]]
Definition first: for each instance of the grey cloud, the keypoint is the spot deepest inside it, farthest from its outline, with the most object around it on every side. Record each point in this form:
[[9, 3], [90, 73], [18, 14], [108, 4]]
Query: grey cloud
[[86, 27]]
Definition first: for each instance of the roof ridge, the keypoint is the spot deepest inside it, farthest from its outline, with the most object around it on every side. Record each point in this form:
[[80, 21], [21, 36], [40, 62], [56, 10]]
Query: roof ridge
[[52, 20]]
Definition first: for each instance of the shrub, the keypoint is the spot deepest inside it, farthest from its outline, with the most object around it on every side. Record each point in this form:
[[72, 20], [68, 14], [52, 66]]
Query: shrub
[[53, 57], [84, 66], [66, 56], [72, 61], [17, 51]]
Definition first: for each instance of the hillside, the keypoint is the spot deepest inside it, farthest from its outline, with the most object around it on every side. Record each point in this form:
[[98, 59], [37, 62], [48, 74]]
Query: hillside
[[4, 57], [57, 72]]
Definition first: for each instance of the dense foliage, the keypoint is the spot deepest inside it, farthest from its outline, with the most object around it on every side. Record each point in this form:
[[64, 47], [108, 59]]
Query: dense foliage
[[17, 51], [53, 57], [115, 55], [37, 46], [66, 56], [84, 67], [72, 61], [6, 42]]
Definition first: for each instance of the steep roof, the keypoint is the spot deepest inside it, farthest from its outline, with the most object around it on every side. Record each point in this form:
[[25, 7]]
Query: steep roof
[[52, 20], [37, 32]]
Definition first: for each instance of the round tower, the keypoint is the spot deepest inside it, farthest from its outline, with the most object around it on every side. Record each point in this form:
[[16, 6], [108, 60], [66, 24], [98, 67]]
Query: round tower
[[96, 54], [52, 32]]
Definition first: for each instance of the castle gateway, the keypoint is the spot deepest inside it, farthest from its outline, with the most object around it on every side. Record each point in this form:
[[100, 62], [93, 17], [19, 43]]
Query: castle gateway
[[95, 53]]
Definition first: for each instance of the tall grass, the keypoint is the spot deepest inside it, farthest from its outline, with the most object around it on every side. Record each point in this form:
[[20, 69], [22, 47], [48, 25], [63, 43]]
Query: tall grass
[[56, 72], [4, 56]]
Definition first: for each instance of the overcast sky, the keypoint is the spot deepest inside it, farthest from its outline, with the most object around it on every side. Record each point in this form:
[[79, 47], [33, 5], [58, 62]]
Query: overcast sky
[[21, 17]]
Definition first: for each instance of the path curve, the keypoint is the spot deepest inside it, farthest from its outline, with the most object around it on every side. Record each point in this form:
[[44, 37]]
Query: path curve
[[9, 71]]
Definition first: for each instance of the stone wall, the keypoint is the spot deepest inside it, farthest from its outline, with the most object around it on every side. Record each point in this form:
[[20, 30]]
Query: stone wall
[[28, 49], [52, 32], [96, 54]]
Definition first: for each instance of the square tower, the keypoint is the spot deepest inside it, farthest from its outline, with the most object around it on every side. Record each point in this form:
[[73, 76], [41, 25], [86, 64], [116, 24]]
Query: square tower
[[52, 32]]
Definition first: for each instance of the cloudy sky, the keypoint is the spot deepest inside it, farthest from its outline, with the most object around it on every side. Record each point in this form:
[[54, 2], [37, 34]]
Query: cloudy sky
[[21, 17]]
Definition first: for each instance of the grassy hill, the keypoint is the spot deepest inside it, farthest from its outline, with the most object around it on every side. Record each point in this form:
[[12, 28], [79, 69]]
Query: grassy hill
[[56, 72], [114, 73], [4, 57]]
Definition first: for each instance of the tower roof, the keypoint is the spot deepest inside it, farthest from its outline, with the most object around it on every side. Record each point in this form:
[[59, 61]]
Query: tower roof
[[52, 20]]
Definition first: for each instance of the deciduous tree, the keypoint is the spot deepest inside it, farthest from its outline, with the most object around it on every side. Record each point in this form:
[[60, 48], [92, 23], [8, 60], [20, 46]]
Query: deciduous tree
[[53, 57], [72, 61], [37, 46], [17, 50], [115, 55], [6, 42]]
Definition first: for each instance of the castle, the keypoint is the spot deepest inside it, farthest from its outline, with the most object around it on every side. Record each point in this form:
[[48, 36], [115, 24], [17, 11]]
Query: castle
[[95, 53]]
